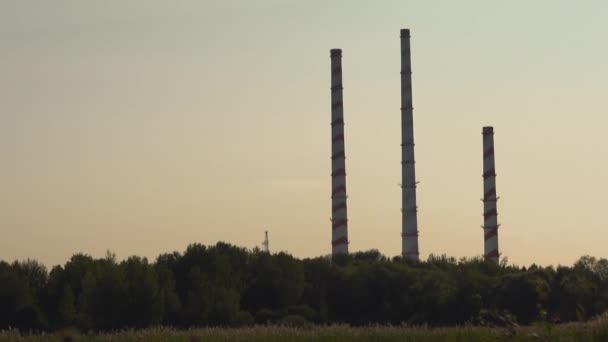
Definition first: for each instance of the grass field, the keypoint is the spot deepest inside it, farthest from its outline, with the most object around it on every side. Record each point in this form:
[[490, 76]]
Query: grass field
[[596, 330]]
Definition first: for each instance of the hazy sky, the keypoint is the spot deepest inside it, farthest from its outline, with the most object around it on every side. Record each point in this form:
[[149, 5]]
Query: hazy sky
[[143, 126]]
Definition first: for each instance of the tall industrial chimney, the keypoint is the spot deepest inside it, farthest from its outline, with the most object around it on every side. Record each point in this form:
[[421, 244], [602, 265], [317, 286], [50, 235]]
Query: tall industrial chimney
[[490, 220], [409, 210], [339, 221]]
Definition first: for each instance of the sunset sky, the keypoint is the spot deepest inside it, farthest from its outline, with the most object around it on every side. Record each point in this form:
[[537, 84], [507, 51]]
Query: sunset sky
[[143, 126]]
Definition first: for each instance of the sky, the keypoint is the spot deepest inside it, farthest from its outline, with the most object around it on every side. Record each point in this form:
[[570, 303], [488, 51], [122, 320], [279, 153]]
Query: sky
[[143, 126]]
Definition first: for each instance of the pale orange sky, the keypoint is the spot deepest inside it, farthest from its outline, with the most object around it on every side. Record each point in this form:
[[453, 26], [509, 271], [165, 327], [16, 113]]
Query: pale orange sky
[[143, 126]]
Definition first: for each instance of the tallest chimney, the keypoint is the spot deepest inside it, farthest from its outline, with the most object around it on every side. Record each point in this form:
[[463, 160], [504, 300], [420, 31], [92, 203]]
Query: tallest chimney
[[409, 215], [339, 220]]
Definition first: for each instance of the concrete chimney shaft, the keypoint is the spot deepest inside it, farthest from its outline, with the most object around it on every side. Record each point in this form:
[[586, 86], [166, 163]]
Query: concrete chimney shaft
[[409, 210], [490, 219], [339, 229]]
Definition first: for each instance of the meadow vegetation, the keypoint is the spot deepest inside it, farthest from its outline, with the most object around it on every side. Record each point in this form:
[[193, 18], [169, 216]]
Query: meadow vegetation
[[594, 330]]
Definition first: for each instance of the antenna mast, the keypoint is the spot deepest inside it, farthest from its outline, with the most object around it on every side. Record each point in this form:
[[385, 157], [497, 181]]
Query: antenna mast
[[266, 243]]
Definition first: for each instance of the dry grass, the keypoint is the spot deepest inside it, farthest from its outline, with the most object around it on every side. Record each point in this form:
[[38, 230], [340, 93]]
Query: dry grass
[[596, 330]]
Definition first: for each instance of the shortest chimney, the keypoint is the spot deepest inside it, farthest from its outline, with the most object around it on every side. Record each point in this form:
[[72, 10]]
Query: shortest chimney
[[490, 219]]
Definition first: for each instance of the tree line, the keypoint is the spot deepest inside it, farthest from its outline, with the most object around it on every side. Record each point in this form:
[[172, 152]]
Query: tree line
[[224, 285]]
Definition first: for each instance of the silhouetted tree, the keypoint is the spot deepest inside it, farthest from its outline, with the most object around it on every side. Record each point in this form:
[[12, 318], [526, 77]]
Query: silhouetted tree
[[228, 285]]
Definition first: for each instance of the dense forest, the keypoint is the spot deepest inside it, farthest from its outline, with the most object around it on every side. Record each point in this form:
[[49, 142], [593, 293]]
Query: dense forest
[[224, 285]]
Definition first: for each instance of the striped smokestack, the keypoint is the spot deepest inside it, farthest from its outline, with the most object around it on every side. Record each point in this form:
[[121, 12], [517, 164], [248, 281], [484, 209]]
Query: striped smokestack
[[409, 219], [490, 220], [339, 223]]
